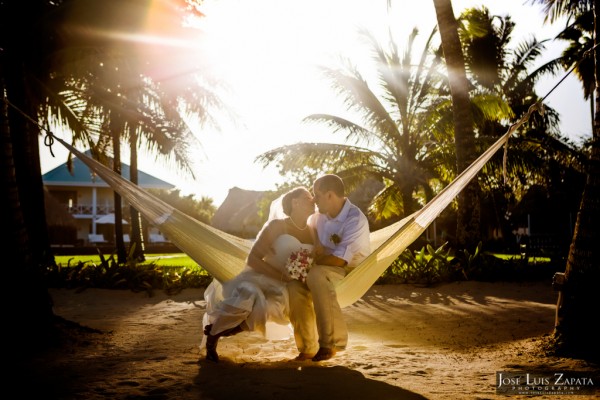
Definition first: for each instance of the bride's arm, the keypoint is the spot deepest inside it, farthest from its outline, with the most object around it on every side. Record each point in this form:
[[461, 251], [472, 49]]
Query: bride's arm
[[262, 247]]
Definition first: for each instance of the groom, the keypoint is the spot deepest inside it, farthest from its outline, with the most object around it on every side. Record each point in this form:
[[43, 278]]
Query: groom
[[343, 236]]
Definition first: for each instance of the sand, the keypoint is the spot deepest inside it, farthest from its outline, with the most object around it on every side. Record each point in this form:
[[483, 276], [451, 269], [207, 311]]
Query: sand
[[406, 342]]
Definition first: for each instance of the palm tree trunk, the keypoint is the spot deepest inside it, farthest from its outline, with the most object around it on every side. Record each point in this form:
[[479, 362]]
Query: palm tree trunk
[[468, 232], [30, 318], [119, 243], [578, 298], [592, 110], [26, 156], [406, 192], [136, 222]]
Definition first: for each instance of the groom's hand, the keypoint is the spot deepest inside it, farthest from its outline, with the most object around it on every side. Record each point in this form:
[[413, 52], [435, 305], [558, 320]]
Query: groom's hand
[[318, 250], [328, 259]]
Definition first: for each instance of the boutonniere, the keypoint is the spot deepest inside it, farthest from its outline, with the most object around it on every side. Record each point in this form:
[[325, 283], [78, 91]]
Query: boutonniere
[[335, 239]]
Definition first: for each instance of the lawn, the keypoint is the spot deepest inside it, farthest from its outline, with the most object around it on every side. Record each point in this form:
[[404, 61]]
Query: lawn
[[168, 271], [162, 260]]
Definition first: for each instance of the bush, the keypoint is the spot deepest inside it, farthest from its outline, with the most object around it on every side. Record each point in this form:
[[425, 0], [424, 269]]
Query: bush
[[132, 275], [429, 266]]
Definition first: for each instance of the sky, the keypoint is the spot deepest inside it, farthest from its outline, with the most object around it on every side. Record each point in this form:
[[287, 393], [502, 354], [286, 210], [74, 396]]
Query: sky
[[267, 52]]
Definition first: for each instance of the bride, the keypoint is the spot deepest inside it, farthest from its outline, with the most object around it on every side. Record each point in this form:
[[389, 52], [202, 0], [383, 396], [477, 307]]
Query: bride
[[258, 295]]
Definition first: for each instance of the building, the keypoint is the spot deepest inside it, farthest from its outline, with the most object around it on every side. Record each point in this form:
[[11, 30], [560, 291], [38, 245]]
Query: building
[[90, 201]]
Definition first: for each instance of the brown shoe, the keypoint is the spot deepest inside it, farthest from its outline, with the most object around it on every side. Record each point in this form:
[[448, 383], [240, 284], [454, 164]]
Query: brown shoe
[[211, 344], [303, 357], [211, 348], [324, 354]]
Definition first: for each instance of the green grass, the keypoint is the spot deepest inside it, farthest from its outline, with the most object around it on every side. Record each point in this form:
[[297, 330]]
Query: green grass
[[170, 272], [513, 257], [160, 259]]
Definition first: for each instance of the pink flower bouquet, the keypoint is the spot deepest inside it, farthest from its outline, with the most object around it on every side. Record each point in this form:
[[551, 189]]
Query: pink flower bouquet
[[299, 263]]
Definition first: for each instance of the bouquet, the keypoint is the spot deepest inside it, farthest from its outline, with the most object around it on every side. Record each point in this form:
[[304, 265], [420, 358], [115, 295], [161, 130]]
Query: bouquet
[[298, 264]]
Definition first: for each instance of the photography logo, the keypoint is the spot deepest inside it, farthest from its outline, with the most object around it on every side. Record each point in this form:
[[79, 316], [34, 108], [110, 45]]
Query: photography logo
[[547, 383]]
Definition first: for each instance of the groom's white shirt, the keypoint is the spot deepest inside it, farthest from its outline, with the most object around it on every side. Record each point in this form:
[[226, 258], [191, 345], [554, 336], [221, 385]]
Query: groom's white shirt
[[351, 227]]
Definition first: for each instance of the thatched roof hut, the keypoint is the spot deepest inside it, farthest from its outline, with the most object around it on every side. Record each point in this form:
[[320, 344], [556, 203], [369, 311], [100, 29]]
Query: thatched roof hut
[[238, 214]]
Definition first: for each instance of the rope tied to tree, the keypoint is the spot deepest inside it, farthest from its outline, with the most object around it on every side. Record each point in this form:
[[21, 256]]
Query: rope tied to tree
[[48, 138]]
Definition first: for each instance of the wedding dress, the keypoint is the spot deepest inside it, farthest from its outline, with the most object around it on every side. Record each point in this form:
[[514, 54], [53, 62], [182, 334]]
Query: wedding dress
[[253, 298]]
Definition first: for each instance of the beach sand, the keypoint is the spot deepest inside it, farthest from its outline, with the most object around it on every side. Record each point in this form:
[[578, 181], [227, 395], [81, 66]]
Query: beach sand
[[406, 342]]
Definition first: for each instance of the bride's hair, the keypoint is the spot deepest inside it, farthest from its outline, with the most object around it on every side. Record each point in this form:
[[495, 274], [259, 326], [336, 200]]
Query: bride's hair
[[286, 200]]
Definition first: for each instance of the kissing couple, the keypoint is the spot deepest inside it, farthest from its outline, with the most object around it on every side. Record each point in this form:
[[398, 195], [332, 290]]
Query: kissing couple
[[265, 295]]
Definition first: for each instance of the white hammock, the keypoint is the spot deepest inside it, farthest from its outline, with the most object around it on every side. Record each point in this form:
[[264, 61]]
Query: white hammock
[[224, 255]]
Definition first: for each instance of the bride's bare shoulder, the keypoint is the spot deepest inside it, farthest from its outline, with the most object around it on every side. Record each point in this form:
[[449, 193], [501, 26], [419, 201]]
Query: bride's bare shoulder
[[275, 227]]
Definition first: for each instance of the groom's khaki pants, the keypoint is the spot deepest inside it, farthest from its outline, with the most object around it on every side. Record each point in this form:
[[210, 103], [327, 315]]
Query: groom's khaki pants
[[331, 331]]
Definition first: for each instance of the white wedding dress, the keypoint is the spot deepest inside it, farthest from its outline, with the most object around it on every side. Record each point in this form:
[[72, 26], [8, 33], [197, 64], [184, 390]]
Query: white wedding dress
[[251, 297]]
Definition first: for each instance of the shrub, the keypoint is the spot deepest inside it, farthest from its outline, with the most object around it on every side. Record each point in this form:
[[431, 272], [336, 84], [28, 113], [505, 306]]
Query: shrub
[[132, 275]]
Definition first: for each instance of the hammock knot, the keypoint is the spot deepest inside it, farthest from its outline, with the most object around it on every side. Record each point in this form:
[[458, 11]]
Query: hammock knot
[[49, 141], [541, 109], [537, 106]]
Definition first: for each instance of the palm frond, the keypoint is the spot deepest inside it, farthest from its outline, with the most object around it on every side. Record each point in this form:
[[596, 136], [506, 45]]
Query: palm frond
[[489, 107], [354, 132], [357, 96], [319, 156], [387, 204]]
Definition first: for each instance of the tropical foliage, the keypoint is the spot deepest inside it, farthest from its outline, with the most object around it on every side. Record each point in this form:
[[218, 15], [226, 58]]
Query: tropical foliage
[[37, 83], [108, 273], [399, 127], [118, 91], [175, 272], [402, 135], [202, 210], [395, 134], [538, 156]]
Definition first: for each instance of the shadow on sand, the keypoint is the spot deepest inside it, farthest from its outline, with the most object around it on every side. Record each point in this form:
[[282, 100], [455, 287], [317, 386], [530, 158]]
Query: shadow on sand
[[291, 381]]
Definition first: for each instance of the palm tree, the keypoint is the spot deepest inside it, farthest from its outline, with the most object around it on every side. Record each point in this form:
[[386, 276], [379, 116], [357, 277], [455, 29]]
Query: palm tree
[[578, 55], [23, 57], [27, 49], [468, 232], [396, 141], [117, 98], [577, 300], [112, 112], [495, 68]]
